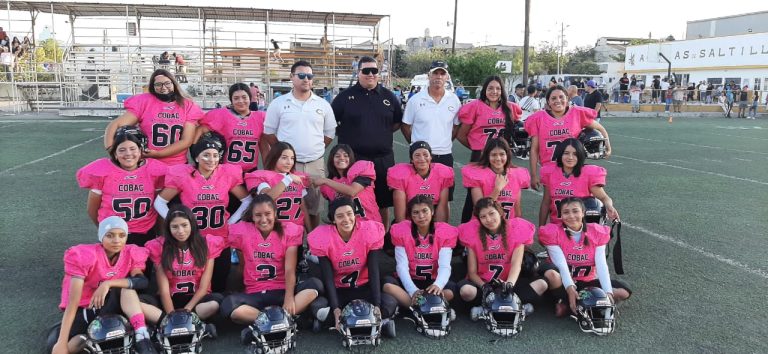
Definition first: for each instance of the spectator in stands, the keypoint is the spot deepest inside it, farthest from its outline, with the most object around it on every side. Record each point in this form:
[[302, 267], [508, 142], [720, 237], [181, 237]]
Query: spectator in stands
[[530, 104], [255, 93], [16, 47], [691, 92], [6, 60], [276, 53], [624, 88], [678, 94], [634, 98], [743, 96], [5, 42], [398, 92], [518, 95], [729, 98], [656, 93], [594, 98], [573, 96], [181, 68], [709, 92], [26, 44], [754, 97]]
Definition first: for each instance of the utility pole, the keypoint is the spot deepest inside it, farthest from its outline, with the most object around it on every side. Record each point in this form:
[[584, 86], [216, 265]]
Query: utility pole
[[526, 36], [562, 39], [455, 14]]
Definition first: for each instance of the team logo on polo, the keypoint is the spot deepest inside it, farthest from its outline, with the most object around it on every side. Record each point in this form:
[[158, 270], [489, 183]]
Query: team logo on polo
[[319, 111], [451, 108], [387, 103]]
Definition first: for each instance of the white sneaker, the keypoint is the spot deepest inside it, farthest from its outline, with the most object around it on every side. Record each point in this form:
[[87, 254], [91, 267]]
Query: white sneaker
[[476, 313], [527, 309], [452, 315]]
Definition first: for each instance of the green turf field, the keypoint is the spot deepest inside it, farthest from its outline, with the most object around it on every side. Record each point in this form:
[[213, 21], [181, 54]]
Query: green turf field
[[692, 195]]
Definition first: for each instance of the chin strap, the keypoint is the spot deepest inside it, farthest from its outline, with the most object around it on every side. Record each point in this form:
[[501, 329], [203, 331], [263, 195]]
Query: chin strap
[[618, 265]]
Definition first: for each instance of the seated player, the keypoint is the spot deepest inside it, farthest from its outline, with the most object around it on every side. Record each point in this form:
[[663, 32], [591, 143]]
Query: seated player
[[350, 178]]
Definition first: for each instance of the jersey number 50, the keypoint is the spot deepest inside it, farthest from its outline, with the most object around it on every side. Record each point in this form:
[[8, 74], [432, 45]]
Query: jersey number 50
[[130, 209]]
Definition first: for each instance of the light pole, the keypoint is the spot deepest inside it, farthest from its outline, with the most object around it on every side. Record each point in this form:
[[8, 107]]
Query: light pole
[[563, 26], [526, 37], [455, 13]]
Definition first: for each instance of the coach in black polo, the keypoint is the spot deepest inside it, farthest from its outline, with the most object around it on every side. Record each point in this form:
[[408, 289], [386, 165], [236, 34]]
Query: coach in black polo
[[367, 115]]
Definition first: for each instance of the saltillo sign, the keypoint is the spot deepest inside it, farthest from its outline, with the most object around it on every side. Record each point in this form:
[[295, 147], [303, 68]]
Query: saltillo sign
[[750, 50]]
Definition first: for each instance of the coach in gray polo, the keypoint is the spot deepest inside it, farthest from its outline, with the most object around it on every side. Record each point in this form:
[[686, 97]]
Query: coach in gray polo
[[305, 121]]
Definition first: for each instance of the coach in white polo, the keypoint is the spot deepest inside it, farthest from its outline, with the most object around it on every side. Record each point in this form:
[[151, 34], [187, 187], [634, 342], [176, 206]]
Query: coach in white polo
[[305, 121], [432, 115]]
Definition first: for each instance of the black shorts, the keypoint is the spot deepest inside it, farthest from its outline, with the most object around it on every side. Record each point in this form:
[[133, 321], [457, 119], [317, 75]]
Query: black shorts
[[446, 160], [180, 299], [381, 189], [265, 298], [421, 284], [140, 239], [522, 289], [84, 316], [615, 283]]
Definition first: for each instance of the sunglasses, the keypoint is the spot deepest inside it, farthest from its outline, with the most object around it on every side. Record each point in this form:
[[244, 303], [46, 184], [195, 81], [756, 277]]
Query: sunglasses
[[369, 71], [303, 76]]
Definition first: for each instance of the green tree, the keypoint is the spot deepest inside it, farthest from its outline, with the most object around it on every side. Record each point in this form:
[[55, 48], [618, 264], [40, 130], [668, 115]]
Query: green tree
[[544, 59], [472, 67], [48, 54], [400, 63], [581, 60], [418, 63]]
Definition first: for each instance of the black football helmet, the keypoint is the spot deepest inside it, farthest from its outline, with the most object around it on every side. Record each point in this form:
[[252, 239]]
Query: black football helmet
[[136, 133], [181, 332], [596, 313], [593, 142], [502, 309], [530, 266], [274, 332], [360, 324], [209, 140], [109, 334], [594, 211], [520, 143], [433, 315]]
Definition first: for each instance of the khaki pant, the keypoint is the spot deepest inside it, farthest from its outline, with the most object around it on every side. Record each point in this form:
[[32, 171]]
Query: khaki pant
[[313, 169]]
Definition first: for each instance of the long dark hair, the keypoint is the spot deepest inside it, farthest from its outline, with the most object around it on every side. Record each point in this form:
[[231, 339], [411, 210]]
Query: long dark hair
[[421, 199], [262, 199], [196, 245], [239, 87], [549, 93], [332, 171], [581, 154], [180, 96], [508, 123], [487, 202], [274, 155], [485, 157]]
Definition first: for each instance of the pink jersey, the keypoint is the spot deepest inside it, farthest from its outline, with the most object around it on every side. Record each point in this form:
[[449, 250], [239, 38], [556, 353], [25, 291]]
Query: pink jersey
[[241, 135], [208, 198], [264, 258], [423, 255], [560, 187], [493, 262], [518, 178], [127, 194], [163, 122], [486, 122], [348, 259], [403, 177], [289, 202], [580, 256], [184, 277], [365, 201], [552, 131], [89, 262]]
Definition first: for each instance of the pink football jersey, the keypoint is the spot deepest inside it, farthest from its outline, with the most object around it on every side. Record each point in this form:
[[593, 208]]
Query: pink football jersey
[[208, 198], [551, 131], [241, 135], [184, 277], [486, 122], [264, 258], [90, 263], [493, 262], [349, 259], [127, 194], [289, 202], [580, 256], [423, 255], [403, 177], [163, 122], [560, 187], [518, 178], [365, 201]]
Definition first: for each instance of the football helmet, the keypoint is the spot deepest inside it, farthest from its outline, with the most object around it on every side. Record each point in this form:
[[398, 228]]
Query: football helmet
[[593, 142], [530, 266], [208, 140], [360, 324], [136, 133], [502, 309], [594, 211], [274, 332], [595, 312], [109, 334], [433, 315], [520, 143], [181, 332]]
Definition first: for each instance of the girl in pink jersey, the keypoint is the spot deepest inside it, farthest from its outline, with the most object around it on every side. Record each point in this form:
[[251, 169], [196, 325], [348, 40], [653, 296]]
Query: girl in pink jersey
[[165, 115], [205, 189], [282, 183], [578, 250], [101, 279], [495, 176], [547, 128], [354, 179], [184, 262], [348, 253], [572, 178], [124, 185], [423, 251], [269, 252], [495, 248], [241, 128], [421, 176]]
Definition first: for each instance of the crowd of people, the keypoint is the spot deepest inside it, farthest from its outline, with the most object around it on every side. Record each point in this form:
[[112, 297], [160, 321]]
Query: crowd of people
[[11, 51], [180, 204]]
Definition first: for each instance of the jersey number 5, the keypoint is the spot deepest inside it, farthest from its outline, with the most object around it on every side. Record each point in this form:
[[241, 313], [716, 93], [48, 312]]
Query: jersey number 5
[[130, 208]]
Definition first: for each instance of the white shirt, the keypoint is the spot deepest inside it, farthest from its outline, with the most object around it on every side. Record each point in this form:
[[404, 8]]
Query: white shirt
[[303, 124], [664, 85], [432, 121], [529, 105]]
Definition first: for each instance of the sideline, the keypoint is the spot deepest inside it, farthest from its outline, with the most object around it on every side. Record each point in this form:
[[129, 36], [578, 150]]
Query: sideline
[[3, 172]]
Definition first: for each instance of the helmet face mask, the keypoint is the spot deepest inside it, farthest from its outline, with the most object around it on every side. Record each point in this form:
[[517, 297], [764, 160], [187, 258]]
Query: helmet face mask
[[520, 143], [274, 332], [109, 334], [181, 332], [595, 312], [594, 143], [503, 311], [360, 324], [433, 316], [594, 211]]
